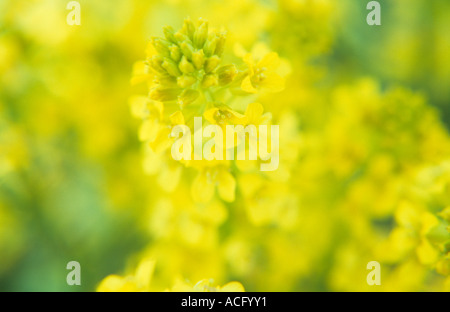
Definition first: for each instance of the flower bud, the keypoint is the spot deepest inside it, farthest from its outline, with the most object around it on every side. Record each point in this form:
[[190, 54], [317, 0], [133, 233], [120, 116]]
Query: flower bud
[[209, 80], [212, 63], [186, 81], [210, 45], [220, 45], [187, 97], [188, 28], [187, 49], [171, 67], [155, 63], [180, 37], [175, 53], [198, 58], [185, 66], [200, 35], [161, 46], [169, 34], [164, 94]]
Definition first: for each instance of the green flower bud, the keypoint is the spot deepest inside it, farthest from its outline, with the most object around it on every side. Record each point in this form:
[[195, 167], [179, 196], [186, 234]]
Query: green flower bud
[[198, 58], [210, 45], [200, 35], [212, 63], [188, 28], [180, 37], [171, 67], [155, 63], [162, 46], [187, 97], [186, 81], [175, 53], [220, 45], [164, 94], [187, 49], [169, 33], [166, 80], [210, 80], [185, 66]]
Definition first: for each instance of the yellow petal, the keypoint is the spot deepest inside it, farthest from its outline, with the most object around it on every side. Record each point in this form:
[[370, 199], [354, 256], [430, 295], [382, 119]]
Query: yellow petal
[[254, 112], [226, 186], [270, 61], [137, 79], [177, 118], [236, 118], [233, 287], [202, 190], [426, 253], [140, 73], [162, 141], [259, 50], [265, 119], [209, 115], [239, 50], [273, 83], [248, 59], [138, 106], [181, 286], [144, 273], [152, 161], [113, 283], [249, 184], [148, 130], [169, 178], [247, 85]]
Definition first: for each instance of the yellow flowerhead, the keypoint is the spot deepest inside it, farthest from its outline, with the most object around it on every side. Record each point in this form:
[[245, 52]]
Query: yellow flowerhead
[[262, 74]]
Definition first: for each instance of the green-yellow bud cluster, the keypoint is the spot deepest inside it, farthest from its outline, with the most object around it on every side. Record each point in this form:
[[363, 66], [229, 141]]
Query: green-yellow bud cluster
[[185, 62]]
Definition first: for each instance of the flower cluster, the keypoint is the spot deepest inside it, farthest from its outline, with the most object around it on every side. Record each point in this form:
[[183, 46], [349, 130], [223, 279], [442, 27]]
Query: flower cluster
[[363, 169], [186, 79]]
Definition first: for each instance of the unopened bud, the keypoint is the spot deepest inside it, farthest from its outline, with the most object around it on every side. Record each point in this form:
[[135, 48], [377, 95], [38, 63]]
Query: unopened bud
[[155, 63], [169, 33], [161, 46], [212, 63], [186, 81], [220, 45], [185, 66], [187, 97], [209, 81], [200, 35], [164, 95], [198, 58], [188, 28], [187, 49], [175, 53], [210, 45], [171, 67]]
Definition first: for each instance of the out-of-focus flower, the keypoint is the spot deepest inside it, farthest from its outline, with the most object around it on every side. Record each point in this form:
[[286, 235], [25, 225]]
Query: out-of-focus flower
[[139, 280], [262, 75], [207, 286]]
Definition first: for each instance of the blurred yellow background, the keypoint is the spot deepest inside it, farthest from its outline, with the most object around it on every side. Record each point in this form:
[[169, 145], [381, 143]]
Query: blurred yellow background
[[364, 151]]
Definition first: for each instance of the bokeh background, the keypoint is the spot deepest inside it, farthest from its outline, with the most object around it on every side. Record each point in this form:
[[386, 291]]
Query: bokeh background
[[365, 150]]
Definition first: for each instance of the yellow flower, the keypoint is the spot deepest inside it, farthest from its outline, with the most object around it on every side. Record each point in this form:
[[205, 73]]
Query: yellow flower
[[206, 285], [223, 116], [255, 115], [262, 75], [204, 185], [137, 282]]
